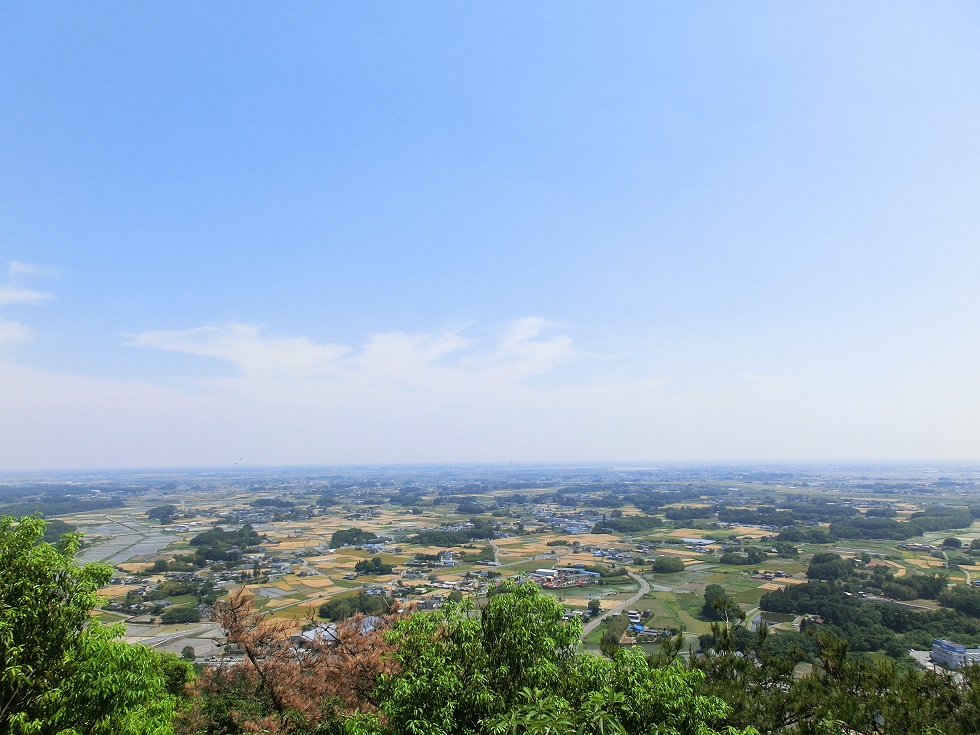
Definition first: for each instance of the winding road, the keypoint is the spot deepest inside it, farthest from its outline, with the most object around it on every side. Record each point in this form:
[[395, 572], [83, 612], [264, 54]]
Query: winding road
[[644, 588]]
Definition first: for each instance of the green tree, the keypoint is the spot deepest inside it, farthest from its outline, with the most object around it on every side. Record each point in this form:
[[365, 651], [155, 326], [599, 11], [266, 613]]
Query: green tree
[[180, 615], [626, 696], [514, 668], [668, 565], [458, 669], [718, 605], [829, 566], [62, 673]]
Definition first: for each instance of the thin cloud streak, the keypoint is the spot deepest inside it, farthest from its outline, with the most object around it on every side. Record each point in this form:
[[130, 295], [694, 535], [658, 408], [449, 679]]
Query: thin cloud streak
[[18, 267], [244, 345], [14, 295], [13, 332], [398, 360]]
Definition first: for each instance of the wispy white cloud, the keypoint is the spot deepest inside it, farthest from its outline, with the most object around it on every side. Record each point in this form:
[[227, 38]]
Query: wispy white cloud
[[12, 292], [15, 295], [13, 332], [19, 267], [526, 351], [399, 360], [244, 345]]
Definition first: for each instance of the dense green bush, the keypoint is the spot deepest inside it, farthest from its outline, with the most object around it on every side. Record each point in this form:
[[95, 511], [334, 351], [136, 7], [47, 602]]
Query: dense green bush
[[60, 671], [668, 565]]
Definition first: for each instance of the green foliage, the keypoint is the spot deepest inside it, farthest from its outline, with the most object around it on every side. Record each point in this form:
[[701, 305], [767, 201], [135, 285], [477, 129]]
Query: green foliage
[[180, 563], [180, 615], [514, 668], [457, 669], [802, 534], [609, 643], [786, 550], [61, 672], [172, 588], [874, 528], [668, 565], [243, 537], [684, 514], [350, 537], [633, 697], [829, 567], [915, 586], [56, 529], [373, 566], [886, 512], [942, 518], [751, 555], [480, 528], [872, 626], [486, 554], [965, 600], [220, 545], [341, 608], [718, 605], [163, 513], [841, 694]]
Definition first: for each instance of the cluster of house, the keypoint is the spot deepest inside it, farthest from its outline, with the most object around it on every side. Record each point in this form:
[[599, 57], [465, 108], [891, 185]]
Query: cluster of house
[[612, 554], [918, 547], [564, 577], [640, 632], [769, 576], [571, 523], [326, 633], [701, 545], [953, 656], [135, 600], [254, 517]]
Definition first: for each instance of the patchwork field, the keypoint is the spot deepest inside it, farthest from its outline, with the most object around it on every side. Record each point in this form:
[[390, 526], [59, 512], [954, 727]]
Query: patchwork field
[[295, 568]]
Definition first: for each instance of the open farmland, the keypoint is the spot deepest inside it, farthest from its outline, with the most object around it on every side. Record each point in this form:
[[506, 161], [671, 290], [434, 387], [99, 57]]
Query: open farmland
[[298, 541]]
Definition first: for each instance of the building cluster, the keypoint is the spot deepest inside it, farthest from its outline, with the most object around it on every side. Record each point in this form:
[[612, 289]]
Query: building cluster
[[953, 656], [564, 577]]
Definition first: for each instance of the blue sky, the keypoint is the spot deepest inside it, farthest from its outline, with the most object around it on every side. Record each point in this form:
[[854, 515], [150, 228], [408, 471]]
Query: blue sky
[[334, 233]]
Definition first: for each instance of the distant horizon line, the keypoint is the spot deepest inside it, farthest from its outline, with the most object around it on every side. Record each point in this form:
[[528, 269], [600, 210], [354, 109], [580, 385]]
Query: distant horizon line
[[924, 465]]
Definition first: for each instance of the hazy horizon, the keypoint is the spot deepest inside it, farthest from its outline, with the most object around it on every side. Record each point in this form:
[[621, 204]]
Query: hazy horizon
[[442, 234]]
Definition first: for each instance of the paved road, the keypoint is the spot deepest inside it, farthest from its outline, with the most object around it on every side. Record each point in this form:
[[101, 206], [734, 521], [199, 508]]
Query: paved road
[[644, 588], [158, 641]]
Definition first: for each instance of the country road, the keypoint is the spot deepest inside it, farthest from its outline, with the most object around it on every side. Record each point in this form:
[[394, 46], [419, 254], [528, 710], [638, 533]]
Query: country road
[[644, 588]]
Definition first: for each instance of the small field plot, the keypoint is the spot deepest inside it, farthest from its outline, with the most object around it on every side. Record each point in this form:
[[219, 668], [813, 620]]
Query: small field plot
[[685, 608]]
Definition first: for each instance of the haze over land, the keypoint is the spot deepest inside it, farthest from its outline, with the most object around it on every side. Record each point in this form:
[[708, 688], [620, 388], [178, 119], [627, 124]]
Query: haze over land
[[521, 233]]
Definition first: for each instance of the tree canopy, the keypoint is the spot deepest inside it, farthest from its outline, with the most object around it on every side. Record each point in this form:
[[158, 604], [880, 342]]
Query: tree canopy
[[62, 673]]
